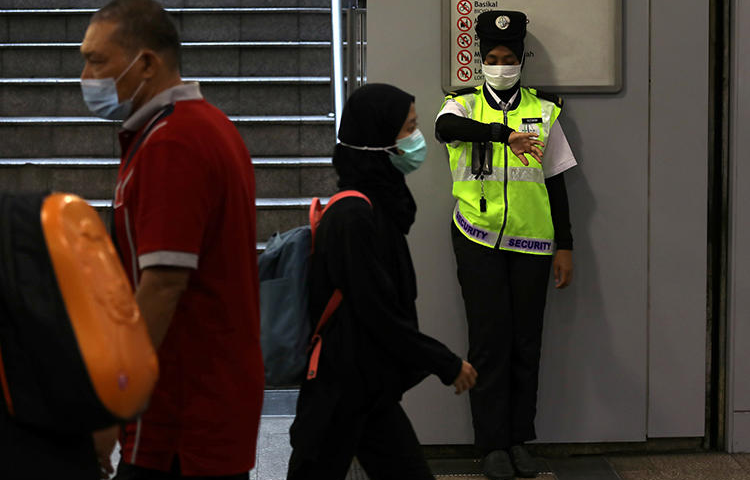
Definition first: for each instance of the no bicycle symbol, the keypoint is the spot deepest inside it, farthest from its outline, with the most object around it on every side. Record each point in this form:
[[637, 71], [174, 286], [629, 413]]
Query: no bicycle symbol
[[464, 74], [464, 7], [464, 24], [464, 40]]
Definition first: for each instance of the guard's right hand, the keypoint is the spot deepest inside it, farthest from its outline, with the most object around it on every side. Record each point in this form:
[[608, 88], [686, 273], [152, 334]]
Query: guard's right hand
[[522, 143], [466, 379]]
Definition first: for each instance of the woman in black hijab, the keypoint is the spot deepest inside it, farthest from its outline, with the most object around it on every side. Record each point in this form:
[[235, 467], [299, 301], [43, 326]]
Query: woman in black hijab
[[372, 349]]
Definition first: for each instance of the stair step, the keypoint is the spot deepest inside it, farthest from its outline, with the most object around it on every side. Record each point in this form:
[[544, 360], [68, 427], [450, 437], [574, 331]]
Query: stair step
[[261, 162], [225, 59], [296, 203], [280, 402], [285, 80], [236, 119], [311, 140], [248, 23], [96, 177], [185, 45], [285, 96], [293, 162], [306, 181], [60, 162], [171, 10], [272, 214], [37, 4], [89, 181], [44, 137]]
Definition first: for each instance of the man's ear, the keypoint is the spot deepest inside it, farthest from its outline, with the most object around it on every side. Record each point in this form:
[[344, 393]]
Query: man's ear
[[152, 63]]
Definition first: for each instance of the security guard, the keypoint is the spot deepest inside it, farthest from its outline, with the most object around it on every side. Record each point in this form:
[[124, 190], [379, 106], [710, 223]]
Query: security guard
[[510, 223]]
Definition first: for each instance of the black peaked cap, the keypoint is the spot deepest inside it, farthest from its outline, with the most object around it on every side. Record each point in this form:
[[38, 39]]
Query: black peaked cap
[[501, 27]]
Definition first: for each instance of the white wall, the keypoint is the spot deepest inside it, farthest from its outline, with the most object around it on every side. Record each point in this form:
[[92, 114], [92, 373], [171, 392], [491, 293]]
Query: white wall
[[637, 155]]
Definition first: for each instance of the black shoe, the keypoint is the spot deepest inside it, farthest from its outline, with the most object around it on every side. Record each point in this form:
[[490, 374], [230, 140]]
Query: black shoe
[[525, 465], [496, 466]]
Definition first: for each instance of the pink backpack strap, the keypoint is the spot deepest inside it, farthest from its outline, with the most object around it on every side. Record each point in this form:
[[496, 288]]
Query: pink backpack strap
[[316, 343], [317, 211]]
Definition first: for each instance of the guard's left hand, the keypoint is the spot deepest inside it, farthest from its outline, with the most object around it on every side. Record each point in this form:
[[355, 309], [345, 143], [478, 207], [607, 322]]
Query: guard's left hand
[[522, 143], [562, 267]]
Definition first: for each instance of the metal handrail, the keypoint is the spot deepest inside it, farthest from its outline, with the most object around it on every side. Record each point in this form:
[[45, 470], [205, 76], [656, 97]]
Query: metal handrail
[[350, 75], [337, 61]]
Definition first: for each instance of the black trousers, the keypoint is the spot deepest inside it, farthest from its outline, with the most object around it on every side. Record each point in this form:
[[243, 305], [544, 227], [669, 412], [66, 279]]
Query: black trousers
[[30, 454], [383, 441], [504, 295]]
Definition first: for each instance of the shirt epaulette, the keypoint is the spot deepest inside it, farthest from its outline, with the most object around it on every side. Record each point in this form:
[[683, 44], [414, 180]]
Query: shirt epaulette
[[463, 91], [550, 97]]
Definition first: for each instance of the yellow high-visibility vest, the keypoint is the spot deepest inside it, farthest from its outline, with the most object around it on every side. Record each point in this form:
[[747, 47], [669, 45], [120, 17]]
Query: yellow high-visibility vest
[[517, 216]]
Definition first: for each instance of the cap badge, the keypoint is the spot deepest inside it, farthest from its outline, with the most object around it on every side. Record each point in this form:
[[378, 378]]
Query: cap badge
[[502, 22]]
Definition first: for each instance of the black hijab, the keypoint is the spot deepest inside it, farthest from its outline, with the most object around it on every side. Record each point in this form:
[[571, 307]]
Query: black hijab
[[372, 117]]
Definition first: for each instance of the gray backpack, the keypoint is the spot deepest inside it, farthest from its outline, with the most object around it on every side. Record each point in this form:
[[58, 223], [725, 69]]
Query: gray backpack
[[286, 335]]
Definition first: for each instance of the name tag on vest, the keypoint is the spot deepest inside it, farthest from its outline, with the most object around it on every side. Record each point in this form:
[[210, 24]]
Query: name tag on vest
[[531, 125]]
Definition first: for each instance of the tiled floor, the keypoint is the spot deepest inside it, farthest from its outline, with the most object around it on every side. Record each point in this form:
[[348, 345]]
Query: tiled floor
[[695, 466], [544, 476], [274, 450]]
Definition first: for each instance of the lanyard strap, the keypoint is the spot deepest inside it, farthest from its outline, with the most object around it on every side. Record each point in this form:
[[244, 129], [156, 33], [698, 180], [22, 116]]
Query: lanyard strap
[[164, 113], [112, 227]]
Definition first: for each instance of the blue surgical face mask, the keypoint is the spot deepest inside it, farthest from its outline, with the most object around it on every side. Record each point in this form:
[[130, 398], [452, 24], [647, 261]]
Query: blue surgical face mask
[[100, 95], [413, 146], [415, 151]]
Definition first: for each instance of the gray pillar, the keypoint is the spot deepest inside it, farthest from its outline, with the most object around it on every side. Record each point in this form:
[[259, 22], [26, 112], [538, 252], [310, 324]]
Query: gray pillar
[[678, 166], [738, 417]]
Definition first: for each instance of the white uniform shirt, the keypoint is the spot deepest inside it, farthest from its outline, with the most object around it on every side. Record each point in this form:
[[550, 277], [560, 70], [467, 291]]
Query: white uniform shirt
[[558, 157]]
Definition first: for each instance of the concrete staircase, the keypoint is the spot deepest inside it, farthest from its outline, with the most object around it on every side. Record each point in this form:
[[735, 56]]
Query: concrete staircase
[[265, 63]]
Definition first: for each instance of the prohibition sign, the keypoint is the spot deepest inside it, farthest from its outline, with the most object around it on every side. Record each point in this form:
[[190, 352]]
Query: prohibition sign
[[464, 74], [464, 40], [464, 57], [464, 7], [464, 24]]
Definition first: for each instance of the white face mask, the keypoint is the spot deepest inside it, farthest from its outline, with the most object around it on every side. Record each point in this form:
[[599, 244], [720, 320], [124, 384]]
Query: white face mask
[[501, 77]]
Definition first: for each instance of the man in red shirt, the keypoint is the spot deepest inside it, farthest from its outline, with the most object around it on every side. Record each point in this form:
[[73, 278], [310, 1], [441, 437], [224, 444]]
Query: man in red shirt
[[184, 217]]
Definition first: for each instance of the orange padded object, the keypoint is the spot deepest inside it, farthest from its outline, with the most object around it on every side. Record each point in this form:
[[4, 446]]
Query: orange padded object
[[111, 333]]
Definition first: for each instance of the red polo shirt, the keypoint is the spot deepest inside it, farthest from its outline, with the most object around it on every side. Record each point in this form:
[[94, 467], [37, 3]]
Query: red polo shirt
[[187, 199]]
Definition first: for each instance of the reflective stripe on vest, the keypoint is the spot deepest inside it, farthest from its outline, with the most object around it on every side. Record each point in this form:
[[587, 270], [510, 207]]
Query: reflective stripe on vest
[[490, 239], [526, 226]]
